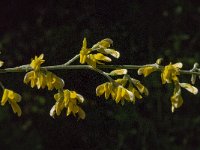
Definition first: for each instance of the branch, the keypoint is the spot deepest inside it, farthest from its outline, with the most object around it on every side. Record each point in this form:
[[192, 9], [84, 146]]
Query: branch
[[66, 66]]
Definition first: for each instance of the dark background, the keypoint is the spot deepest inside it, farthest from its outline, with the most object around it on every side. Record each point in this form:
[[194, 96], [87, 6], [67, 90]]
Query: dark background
[[142, 31]]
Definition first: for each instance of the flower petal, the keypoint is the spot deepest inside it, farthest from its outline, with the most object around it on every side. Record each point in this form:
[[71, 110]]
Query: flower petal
[[53, 111], [81, 113], [100, 89], [189, 87], [16, 108], [146, 70], [118, 72], [112, 52], [101, 57], [5, 97], [80, 98], [178, 65]]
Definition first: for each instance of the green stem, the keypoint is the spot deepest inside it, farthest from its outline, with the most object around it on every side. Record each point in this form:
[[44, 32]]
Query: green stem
[[72, 60], [76, 67]]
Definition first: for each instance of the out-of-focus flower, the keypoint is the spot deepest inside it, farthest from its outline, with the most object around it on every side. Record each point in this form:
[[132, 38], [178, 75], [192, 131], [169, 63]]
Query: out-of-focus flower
[[176, 98], [170, 73], [1, 63], [189, 88], [69, 100], [13, 98]]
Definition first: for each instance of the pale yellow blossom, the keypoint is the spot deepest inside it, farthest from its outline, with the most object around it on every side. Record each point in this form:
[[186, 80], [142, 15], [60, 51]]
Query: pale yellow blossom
[[170, 73]]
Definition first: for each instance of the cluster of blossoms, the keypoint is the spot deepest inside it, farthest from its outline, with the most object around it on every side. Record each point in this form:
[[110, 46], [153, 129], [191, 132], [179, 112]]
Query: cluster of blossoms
[[64, 98], [120, 90], [170, 74], [68, 99], [42, 78], [96, 54]]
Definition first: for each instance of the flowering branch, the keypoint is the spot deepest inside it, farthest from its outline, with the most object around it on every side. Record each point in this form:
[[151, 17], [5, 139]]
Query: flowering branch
[[120, 90], [78, 67]]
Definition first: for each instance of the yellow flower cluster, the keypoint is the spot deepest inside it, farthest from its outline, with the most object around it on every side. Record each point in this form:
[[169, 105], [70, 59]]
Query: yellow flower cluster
[[13, 98], [168, 75], [69, 100], [102, 48], [41, 79], [118, 91]]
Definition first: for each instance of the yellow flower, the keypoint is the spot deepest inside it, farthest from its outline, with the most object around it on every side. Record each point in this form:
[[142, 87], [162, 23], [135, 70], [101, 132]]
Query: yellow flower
[[36, 78], [35, 63], [142, 89], [41, 79], [176, 101], [122, 93], [54, 81], [170, 73], [147, 70], [98, 58], [118, 92], [93, 59], [103, 47], [176, 98], [12, 98], [109, 88], [84, 52], [104, 88], [136, 94], [69, 100]]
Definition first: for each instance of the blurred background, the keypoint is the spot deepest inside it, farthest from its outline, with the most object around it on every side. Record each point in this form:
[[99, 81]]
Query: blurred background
[[141, 31]]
